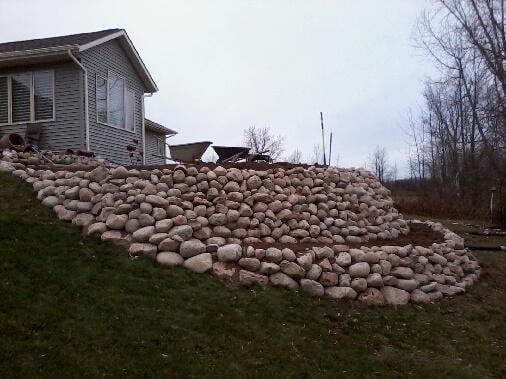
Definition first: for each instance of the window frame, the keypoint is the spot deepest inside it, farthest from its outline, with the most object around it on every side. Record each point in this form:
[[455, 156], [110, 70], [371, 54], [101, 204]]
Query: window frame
[[125, 91], [32, 98]]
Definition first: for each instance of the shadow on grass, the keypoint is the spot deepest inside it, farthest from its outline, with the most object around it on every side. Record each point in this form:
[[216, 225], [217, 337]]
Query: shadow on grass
[[71, 306]]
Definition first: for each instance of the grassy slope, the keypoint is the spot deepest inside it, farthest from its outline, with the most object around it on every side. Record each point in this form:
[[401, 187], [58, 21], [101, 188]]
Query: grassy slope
[[75, 306]]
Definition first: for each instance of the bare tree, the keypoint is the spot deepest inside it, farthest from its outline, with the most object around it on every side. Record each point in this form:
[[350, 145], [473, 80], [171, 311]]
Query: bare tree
[[378, 163], [262, 141], [317, 156], [458, 140], [295, 157]]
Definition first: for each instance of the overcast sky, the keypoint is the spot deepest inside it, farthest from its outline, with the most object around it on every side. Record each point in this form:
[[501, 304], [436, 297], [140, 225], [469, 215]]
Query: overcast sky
[[222, 66]]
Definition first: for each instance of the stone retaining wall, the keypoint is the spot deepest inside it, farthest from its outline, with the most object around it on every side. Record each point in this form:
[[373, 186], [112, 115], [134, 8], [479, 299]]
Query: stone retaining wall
[[207, 219]]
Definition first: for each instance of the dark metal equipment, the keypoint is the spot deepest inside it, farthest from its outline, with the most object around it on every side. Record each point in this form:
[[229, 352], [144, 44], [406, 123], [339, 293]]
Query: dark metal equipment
[[188, 152], [238, 153]]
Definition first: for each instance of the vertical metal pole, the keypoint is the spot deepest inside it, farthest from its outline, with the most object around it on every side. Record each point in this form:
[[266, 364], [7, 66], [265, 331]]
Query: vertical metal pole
[[323, 139], [330, 150]]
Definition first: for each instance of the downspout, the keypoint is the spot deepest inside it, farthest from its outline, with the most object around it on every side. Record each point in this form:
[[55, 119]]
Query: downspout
[[143, 116], [86, 115]]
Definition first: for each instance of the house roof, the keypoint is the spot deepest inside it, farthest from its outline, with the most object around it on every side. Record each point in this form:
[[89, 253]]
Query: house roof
[[42, 43], [54, 48], [156, 127]]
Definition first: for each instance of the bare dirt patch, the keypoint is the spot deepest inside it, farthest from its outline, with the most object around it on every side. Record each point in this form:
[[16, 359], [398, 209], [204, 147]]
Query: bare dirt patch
[[419, 235]]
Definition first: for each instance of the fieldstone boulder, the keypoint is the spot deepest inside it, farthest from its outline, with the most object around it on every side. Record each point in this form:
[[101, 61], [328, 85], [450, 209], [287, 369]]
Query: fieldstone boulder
[[360, 270], [420, 297], [292, 269], [143, 249], [283, 280], [191, 248], [199, 263], [143, 234], [169, 259], [50, 201], [183, 231], [339, 293], [372, 296], [312, 287], [250, 278], [395, 296], [116, 222], [229, 253]]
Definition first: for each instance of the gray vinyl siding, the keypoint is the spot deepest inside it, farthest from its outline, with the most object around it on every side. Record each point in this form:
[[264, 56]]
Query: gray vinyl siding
[[106, 140], [67, 130], [152, 148]]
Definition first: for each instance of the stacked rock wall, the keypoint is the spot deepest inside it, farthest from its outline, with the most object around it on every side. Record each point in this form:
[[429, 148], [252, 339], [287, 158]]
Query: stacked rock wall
[[207, 219]]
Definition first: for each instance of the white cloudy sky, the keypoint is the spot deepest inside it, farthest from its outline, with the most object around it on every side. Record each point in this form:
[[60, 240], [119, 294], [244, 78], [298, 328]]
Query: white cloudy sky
[[224, 65]]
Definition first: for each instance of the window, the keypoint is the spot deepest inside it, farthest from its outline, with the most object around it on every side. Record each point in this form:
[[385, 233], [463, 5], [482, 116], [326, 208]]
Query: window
[[43, 95], [130, 110], [159, 146], [27, 97], [101, 99], [4, 100], [115, 103]]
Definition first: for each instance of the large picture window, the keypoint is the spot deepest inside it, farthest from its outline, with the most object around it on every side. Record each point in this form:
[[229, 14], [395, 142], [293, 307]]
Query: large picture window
[[115, 103], [27, 97]]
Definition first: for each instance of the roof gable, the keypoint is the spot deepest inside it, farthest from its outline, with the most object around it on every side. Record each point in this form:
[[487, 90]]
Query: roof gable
[[78, 42]]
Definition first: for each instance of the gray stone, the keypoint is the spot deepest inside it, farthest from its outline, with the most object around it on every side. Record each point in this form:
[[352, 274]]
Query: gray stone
[[420, 297], [251, 264], [143, 249], [402, 272], [163, 226], [375, 280], [168, 244], [372, 296], [343, 259], [229, 253], [183, 231], [273, 254], [191, 248], [360, 270], [429, 287], [312, 288], [283, 280], [268, 268], [98, 174], [395, 296], [407, 284], [96, 228], [83, 219], [156, 200], [143, 234], [329, 279], [314, 272], [199, 263], [359, 284], [292, 269], [339, 293], [50, 201], [250, 278], [169, 259], [116, 222]]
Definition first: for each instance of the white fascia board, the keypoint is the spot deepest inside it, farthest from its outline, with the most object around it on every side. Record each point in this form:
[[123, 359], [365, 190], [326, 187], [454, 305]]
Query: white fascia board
[[47, 51]]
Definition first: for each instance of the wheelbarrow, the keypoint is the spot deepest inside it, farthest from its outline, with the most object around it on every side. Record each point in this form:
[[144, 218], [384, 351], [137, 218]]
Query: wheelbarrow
[[188, 152]]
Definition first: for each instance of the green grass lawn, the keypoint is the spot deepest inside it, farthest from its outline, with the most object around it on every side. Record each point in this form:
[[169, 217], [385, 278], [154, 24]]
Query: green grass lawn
[[76, 306]]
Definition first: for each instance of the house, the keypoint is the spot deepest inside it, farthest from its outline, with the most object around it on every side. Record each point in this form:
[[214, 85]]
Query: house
[[83, 91]]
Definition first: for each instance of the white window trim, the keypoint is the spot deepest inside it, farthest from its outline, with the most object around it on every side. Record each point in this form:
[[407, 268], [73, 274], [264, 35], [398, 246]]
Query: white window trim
[[125, 90], [32, 98]]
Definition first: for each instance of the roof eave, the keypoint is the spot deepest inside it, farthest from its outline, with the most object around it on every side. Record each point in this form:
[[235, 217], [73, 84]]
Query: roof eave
[[47, 51]]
